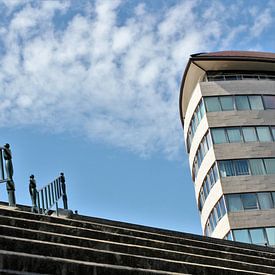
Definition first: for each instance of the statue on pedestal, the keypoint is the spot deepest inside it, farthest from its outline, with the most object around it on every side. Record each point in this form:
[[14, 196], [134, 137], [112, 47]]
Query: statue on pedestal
[[9, 172], [33, 193], [63, 187]]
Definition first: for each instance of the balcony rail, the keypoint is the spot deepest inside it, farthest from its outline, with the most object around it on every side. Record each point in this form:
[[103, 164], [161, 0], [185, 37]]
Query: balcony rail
[[238, 76]]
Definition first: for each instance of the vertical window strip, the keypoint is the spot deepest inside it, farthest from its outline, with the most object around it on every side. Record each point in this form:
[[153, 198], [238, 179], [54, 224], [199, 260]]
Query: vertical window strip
[[203, 148], [208, 183], [215, 216], [195, 121]]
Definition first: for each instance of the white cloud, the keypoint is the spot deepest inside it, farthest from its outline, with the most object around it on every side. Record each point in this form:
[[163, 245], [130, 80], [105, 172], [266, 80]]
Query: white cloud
[[116, 83]]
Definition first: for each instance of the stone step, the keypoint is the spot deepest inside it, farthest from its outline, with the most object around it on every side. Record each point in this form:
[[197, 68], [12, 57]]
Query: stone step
[[70, 231], [152, 234], [123, 259], [25, 263], [148, 248]]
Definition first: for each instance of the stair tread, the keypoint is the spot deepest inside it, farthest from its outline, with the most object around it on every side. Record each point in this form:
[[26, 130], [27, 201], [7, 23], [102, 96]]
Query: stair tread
[[138, 258], [241, 250], [62, 260], [149, 248]]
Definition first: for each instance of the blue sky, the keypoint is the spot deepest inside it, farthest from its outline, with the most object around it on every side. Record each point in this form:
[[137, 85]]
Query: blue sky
[[91, 88]]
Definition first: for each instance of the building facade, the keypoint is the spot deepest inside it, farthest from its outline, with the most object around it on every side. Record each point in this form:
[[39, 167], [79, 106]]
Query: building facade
[[227, 107]]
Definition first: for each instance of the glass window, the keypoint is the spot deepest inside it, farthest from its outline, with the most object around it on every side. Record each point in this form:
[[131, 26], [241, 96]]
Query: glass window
[[242, 102], [228, 236], [226, 168], [269, 166], [218, 135], [273, 132], [273, 197], [241, 167], [234, 202], [269, 101], [241, 235], [209, 140], [256, 102], [249, 134], [202, 109], [222, 206], [264, 134], [227, 103], [218, 211], [211, 177], [256, 166], [257, 236], [198, 114], [212, 222], [216, 175], [249, 201], [206, 188], [270, 232], [212, 104], [265, 200], [234, 135]]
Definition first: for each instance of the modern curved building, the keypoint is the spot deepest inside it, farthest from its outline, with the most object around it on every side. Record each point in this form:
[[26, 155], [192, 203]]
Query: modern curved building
[[227, 108]]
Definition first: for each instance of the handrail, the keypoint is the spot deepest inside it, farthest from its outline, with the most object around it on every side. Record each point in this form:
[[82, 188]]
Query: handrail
[[48, 196]]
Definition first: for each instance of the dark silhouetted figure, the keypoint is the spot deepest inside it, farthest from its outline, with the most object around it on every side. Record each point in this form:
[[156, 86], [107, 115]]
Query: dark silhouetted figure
[[63, 187], [9, 172], [33, 193]]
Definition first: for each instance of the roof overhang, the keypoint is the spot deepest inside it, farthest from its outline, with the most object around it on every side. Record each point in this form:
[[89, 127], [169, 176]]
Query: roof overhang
[[198, 64]]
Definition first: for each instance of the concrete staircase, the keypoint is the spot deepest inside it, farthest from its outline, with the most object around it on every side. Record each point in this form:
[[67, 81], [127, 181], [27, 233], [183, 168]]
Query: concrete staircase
[[38, 244]]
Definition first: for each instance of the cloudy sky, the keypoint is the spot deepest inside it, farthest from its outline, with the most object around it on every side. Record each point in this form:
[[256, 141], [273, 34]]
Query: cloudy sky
[[91, 88]]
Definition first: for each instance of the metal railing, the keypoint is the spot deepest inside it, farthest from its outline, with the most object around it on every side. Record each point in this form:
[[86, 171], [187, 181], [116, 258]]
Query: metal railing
[[49, 195], [238, 76]]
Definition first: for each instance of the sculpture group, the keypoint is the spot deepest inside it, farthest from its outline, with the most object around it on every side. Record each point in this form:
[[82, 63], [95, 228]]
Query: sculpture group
[[50, 194]]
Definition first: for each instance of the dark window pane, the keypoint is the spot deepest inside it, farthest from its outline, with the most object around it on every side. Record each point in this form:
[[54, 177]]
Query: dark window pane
[[242, 102], [249, 201], [256, 102], [234, 135], [269, 101], [241, 167], [256, 166], [218, 136], [212, 104], [265, 200], [241, 235], [226, 168], [269, 166], [227, 103], [234, 202], [249, 134], [264, 134], [257, 236]]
